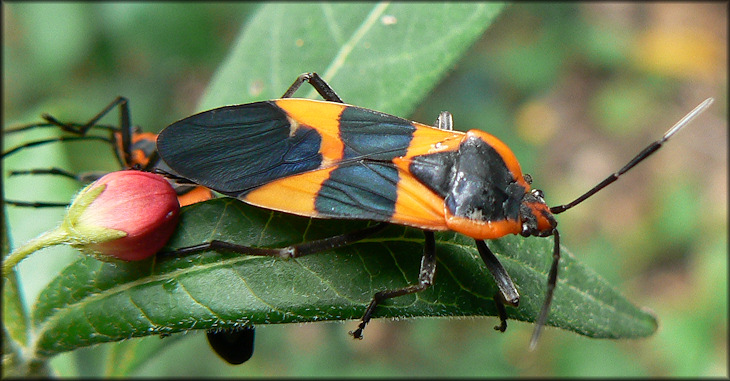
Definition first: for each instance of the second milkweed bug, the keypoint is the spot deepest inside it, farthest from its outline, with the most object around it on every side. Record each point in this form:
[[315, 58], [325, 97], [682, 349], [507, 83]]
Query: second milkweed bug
[[132, 149], [327, 159]]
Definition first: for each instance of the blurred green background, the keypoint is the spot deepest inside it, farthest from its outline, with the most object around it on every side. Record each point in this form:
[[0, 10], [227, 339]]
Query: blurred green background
[[575, 89]]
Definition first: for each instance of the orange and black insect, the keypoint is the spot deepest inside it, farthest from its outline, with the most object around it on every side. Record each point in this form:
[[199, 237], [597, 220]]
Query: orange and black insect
[[132, 149], [327, 159]]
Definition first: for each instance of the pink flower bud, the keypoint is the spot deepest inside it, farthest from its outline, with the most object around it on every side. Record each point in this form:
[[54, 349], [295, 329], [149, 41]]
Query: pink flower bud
[[141, 204]]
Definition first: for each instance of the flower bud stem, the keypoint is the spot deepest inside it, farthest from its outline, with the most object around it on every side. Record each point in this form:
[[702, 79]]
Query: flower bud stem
[[50, 238]]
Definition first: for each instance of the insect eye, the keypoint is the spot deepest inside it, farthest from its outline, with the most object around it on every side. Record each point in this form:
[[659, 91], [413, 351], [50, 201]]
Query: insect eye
[[528, 178]]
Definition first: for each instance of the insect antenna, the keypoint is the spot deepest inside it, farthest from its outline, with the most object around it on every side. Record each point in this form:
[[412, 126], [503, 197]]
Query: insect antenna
[[646, 152]]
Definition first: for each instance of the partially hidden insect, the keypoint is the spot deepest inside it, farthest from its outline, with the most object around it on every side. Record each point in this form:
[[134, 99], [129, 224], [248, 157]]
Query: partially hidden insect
[[327, 159], [132, 149]]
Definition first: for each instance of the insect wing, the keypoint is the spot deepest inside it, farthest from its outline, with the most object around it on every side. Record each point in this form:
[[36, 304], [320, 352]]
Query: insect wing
[[312, 158]]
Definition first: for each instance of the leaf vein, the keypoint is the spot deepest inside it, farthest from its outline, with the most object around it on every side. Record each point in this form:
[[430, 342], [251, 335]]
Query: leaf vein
[[339, 60]]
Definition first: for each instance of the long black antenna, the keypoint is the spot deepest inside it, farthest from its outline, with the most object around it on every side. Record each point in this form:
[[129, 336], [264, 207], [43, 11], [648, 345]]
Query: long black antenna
[[653, 147]]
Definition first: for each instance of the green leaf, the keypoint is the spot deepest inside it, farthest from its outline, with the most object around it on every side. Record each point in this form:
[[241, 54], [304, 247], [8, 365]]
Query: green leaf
[[383, 56], [15, 316], [93, 302], [125, 356]]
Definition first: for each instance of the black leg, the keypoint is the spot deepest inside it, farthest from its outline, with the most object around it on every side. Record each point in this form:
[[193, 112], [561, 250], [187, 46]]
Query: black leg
[[125, 129], [237, 347], [507, 294], [319, 84], [501, 312], [292, 251], [46, 171], [70, 127], [504, 282], [27, 204], [445, 121], [83, 178], [121, 133], [53, 140], [84, 128], [425, 280]]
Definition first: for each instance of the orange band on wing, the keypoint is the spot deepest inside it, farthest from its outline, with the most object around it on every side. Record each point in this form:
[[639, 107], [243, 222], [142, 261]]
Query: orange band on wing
[[324, 117], [294, 194]]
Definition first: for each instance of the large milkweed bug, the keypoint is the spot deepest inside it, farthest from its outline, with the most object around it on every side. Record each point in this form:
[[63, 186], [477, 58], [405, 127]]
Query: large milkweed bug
[[327, 159], [132, 149]]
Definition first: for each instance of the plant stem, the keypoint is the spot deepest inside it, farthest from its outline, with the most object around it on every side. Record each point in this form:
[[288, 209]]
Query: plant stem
[[47, 239]]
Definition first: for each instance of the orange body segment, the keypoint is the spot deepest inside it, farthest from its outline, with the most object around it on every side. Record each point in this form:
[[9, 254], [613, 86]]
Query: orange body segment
[[483, 229]]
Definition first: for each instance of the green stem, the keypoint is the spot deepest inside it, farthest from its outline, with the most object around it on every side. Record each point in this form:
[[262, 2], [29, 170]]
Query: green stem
[[50, 238]]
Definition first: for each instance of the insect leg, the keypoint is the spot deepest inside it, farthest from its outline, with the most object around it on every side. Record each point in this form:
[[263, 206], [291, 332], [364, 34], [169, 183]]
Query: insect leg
[[425, 280], [292, 251], [68, 127], [82, 178], [501, 312], [52, 140], [27, 204], [125, 128], [83, 129], [507, 292], [319, 84], [47, 171], [445, 121]]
